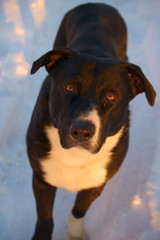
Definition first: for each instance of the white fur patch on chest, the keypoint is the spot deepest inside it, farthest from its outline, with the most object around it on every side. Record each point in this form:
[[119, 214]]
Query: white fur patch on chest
[[76, 169]]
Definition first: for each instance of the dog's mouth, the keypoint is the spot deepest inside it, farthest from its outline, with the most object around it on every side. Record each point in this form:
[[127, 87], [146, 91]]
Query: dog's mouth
[[71, 142]]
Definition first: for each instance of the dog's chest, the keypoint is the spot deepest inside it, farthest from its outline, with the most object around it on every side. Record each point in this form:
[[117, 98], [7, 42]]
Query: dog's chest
[[76, 169]]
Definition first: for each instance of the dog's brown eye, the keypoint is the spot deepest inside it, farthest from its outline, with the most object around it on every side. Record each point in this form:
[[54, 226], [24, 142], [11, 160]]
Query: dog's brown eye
[[69, 88], [110, 97], [129, 75]]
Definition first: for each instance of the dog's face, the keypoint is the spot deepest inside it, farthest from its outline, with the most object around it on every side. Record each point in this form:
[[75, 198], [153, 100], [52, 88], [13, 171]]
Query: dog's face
[[88, 101], [89, 97]]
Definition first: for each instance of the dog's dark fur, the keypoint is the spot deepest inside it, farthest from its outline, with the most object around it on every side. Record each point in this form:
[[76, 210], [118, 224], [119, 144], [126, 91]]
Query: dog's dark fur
[[89, 77]]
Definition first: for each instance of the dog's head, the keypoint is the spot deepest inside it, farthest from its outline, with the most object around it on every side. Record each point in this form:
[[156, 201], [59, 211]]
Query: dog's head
[[89, 97]]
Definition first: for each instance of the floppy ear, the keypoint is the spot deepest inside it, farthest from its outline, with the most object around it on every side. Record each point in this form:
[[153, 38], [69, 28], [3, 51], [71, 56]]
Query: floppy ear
[[50, 58], [140, 83]]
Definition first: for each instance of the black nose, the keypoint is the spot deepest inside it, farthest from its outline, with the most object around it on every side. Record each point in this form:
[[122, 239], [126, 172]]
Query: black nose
[[82, 130]]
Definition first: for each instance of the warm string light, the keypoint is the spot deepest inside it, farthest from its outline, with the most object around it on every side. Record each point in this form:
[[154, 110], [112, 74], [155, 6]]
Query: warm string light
[[136, 201]]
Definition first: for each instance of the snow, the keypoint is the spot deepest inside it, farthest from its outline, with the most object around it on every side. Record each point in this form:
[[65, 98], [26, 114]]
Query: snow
[[129, 207]]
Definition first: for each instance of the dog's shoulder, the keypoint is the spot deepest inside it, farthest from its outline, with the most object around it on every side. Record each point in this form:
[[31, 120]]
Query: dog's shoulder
[[120, 150]]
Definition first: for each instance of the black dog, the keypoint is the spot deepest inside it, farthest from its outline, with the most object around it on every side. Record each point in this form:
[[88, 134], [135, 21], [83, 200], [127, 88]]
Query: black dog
[[78, 135]]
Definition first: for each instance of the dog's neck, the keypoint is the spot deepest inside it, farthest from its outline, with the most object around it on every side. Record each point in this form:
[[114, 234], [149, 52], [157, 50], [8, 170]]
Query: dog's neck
[[94, 47]]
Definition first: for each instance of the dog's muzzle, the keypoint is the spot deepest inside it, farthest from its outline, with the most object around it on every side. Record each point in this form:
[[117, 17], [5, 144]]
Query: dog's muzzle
[[82, 130]]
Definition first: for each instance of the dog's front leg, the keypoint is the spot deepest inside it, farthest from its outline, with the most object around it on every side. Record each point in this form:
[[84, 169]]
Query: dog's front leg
[[44, 195], [75, 224]]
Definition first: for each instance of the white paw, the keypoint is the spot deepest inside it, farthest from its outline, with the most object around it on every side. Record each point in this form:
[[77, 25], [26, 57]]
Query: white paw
[[75, 228]]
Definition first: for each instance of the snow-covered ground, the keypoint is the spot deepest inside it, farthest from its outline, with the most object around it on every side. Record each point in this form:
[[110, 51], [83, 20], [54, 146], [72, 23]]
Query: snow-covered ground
[[129, 208]]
